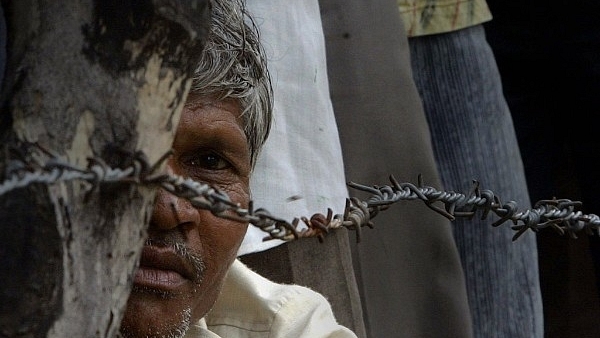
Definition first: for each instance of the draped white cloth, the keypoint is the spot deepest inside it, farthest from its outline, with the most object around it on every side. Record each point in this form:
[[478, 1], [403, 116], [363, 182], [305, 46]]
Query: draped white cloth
[[300, 171]]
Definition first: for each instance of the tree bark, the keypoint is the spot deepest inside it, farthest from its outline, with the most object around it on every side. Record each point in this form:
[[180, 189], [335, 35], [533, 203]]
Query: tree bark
[[100, 79]]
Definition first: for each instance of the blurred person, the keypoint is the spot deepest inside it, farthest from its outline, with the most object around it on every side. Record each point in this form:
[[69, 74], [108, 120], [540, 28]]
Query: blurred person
[[300, 170], [474, 139], [408, 269], [419, 293]]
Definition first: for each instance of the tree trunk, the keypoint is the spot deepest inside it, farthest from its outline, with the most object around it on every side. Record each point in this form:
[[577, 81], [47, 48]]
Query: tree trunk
[[101, 79]]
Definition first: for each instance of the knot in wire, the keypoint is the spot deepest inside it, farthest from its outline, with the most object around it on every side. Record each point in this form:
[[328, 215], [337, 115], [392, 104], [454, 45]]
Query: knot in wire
[[356, 215], [277, 228]]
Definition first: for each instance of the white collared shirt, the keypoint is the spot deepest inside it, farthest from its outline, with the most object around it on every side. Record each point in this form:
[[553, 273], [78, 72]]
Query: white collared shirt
[[251, 306]]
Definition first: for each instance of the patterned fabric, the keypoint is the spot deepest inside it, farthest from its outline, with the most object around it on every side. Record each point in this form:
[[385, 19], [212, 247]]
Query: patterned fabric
[[424, 17]]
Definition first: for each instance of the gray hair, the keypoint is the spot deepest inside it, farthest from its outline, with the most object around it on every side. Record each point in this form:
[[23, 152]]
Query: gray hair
[[233, 65]]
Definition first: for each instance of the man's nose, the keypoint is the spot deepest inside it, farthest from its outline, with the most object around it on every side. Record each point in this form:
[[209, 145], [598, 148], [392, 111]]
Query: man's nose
[[171, 211]]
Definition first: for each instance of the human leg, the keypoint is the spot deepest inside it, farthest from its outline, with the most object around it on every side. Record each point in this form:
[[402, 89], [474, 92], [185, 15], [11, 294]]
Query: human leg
[[474, 139]]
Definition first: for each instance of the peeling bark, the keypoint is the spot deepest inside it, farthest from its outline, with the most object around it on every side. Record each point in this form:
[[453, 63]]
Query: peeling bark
[[104, 79]]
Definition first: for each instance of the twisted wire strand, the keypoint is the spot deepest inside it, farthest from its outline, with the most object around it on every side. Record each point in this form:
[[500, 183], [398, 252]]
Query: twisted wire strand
[[558, 214]]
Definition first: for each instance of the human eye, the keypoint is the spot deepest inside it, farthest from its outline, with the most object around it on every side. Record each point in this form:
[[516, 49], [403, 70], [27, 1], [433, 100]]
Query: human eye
[[206, 160]]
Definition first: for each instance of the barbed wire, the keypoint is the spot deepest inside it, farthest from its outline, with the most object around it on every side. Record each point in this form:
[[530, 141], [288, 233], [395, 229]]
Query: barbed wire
[[558, 214]]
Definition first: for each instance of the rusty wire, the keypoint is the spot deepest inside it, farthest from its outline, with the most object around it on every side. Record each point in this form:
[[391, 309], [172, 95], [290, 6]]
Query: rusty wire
[[558, 214]]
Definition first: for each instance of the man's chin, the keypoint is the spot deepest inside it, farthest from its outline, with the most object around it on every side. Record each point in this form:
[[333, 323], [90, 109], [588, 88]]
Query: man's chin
[[155, 332], [155, 313]]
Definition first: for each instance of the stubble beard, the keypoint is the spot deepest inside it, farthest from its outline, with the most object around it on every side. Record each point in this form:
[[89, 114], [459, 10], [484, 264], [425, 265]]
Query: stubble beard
[[181, 329], [178, 331]]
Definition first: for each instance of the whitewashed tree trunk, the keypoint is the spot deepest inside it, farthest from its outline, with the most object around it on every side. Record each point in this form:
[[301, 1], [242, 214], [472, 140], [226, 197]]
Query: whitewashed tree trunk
[[103, 79]]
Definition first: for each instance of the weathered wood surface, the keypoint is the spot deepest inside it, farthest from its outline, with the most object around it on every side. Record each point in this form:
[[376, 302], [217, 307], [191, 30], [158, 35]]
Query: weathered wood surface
[[85, 79]]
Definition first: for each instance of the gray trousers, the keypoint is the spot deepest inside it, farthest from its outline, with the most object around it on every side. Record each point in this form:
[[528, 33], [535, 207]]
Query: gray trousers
[[407, 267], [474, 139]]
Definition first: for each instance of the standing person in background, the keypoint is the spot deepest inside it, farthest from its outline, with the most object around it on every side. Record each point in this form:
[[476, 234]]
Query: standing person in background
[[474, 139], [549, 59], [407, 267], [418, 290], [300, 171], [303, 148]]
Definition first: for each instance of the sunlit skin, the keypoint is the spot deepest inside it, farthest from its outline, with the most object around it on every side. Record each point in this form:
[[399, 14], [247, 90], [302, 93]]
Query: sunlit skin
[[171, 291]]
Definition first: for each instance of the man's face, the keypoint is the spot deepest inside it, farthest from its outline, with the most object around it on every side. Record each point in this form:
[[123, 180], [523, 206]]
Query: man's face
[[190, 250]]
